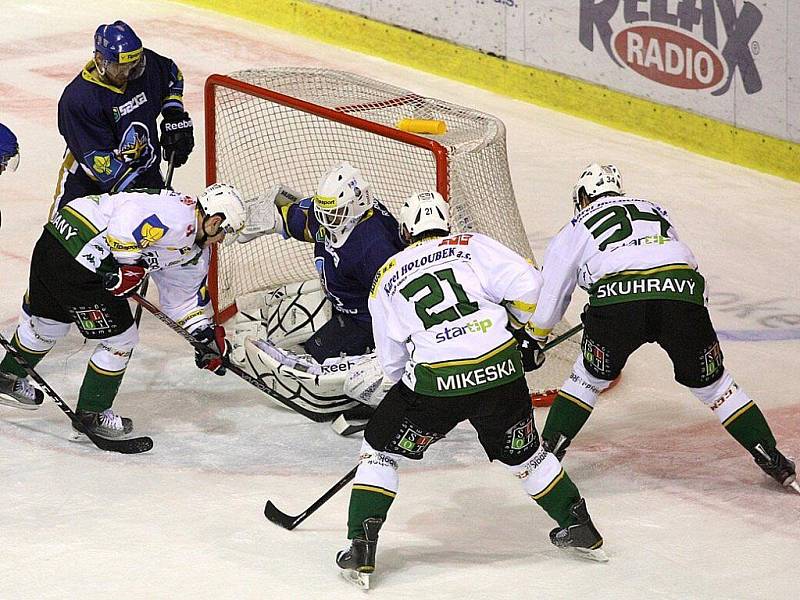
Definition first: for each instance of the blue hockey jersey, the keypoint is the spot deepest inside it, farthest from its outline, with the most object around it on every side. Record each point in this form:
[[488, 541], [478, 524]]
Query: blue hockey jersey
[[347, 272], [111, 133]]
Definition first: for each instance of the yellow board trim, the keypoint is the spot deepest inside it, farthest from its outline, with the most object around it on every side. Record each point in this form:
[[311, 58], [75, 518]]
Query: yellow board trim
[[593, 102]]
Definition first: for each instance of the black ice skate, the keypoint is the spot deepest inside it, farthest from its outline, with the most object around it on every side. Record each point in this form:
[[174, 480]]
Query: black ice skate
[[582, 538], [777, 466], [358, 561], [104, 424], [19, 393]]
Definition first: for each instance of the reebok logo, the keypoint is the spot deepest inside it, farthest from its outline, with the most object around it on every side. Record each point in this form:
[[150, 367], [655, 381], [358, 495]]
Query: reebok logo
[[185, 124]]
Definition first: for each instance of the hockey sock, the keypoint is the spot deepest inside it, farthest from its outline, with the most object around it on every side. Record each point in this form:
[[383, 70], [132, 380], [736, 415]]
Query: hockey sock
[[566, 417], [749, 427], [366, 501], [99, 388], [9, 365], [558, 497]]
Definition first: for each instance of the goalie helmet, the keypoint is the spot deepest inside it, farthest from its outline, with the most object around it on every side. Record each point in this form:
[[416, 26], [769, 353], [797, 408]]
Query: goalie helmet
[[119, 53], [9, 149], [223, 199], [424, 211], [342, 198], [596, 181]]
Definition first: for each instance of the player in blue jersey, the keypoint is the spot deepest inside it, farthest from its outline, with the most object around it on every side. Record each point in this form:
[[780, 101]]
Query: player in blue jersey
[[108, 118], [9, 150]]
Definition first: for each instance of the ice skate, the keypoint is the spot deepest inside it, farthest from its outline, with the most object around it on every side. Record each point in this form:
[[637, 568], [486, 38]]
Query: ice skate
[[19, 393], [582, 538], [103, 424], [358, 561], [777, 466]]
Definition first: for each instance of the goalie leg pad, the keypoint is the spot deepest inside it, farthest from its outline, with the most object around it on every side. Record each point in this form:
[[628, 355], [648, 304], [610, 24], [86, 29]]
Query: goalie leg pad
[[365, 382]]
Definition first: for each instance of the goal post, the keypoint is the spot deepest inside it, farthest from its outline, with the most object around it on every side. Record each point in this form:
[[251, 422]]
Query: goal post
[[289, 125]]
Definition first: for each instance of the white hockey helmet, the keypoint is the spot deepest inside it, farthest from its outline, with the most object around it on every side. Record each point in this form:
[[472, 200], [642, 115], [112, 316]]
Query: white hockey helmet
[[424, 211], [342, 198], [595, 181], [223, 199]]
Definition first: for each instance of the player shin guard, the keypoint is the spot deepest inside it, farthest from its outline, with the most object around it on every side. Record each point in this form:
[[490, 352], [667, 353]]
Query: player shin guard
[[105, 371], [571, 408], [34, 338], [548, 484], [737, 413], [374, 488]]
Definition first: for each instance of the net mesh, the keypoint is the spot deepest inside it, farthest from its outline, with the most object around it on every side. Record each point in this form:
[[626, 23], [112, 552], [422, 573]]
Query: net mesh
[[270, 134]]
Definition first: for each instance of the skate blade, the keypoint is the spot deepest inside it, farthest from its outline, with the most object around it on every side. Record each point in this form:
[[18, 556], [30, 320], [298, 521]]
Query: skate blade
[[6, 401], [360, 580], [597, 555], [795, 486]]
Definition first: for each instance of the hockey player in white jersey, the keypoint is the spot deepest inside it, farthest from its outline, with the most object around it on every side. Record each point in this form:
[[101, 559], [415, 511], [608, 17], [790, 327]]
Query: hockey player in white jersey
[[93, 253], [442, 313], [643, 287]]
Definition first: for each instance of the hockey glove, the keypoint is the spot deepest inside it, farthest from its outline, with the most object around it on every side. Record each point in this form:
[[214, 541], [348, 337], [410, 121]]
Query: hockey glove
[[126, 280], [532, 349], [177, 135], [214, 337]]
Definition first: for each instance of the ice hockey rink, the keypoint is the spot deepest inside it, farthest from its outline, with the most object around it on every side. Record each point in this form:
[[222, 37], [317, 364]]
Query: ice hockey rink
[[684, 511]]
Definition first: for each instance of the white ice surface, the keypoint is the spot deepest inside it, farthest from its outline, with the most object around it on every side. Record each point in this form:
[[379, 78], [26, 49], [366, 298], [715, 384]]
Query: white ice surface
[[684, 511]]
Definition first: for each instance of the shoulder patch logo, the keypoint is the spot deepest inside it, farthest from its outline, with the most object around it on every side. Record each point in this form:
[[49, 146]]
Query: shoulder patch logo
[[102, 164], [149, 231]]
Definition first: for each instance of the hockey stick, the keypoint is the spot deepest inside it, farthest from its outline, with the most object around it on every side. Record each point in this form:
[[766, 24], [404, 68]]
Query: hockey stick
[[344, 428], [236, 370], [289, 522], [126, 446], [137, 317]]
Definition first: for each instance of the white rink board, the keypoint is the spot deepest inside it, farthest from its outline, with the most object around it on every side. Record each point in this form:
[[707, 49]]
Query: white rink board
[[684, 512], [679, 47]]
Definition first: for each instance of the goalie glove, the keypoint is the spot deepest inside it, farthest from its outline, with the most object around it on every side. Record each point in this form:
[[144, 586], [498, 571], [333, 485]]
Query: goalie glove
[[213, 336], [125, 281], [264, 214], [531, 348]]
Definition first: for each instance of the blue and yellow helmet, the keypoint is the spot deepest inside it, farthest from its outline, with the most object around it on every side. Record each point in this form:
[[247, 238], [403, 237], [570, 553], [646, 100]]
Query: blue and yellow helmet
[[9, 149], [118, 43]]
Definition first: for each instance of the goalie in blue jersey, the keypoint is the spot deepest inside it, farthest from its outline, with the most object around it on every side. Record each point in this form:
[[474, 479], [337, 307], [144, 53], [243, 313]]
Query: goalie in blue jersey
[[353, 234], [108, 117]]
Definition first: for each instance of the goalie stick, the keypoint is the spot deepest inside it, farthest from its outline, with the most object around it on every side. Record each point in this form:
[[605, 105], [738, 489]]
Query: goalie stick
[[289, 522], [123, 446], [345, 428], [236, 370]]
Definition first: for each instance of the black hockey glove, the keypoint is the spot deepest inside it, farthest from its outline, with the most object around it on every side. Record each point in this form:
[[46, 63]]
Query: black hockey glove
[[177, 135], [532, 350], [215, 338]]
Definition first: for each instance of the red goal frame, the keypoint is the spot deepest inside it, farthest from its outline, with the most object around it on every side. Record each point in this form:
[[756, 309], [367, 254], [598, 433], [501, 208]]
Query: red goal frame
[[215, 81]]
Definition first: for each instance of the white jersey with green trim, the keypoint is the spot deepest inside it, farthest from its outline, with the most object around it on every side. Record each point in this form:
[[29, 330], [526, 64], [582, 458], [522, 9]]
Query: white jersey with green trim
[[440, 314], [154, 227], [618, 249]]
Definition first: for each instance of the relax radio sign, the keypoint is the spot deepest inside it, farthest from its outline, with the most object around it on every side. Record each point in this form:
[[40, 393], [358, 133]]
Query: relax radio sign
[[685, 44]]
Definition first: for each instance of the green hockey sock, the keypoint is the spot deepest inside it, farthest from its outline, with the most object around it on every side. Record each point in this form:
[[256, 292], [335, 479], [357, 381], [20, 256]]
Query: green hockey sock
[[99, 388], [557, 499], [749, 427], [566, 417], [366, 501], [9, 365]]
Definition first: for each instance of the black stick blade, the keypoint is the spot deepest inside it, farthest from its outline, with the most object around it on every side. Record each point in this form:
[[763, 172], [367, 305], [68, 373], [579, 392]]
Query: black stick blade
[[129, 446], [281, 519]]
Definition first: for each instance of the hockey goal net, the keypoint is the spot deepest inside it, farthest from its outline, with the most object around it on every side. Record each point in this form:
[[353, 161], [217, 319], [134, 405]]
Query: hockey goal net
[[290, 125]]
